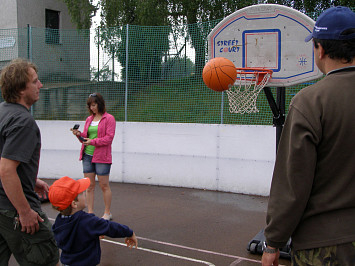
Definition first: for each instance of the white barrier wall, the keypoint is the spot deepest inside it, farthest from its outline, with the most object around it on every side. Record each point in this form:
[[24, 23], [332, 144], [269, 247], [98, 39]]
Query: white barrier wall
[[228, 158]]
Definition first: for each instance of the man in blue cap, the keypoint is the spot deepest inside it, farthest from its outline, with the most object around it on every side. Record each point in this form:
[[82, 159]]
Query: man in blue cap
[[312, 196]]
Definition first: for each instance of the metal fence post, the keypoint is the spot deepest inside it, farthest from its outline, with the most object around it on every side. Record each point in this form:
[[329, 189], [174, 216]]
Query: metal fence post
[[126, 85], [29, 51], [98, 54], [222, 106], [29, 47], [113, 63]]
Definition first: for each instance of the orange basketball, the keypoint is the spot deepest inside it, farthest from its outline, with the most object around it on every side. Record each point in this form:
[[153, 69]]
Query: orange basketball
[[219, 73]]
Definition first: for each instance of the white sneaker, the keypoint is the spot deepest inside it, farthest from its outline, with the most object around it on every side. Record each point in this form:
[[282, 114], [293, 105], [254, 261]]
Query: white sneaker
[[107, 216]]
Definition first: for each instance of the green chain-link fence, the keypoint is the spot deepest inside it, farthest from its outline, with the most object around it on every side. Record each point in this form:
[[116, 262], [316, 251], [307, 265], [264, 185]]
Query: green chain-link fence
[[146, 74]]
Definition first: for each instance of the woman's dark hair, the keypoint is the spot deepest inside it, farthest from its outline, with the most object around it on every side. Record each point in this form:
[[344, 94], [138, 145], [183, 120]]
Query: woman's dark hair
[[338, 49], [99, 100]]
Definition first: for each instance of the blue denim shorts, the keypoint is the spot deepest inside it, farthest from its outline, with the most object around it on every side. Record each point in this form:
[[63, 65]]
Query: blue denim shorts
[[97, 168]]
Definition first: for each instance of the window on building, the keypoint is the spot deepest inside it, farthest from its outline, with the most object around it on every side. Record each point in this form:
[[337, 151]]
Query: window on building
[[52, 26]]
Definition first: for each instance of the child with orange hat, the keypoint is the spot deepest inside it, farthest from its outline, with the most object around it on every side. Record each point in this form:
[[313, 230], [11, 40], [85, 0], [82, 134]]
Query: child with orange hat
[[77, 232]]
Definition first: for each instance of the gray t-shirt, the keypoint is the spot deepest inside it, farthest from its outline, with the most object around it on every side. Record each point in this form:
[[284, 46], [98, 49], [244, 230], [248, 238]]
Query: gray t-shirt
[[20, 140]]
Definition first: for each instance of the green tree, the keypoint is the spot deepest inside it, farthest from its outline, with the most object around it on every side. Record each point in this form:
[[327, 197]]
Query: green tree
[[178, 67], [160, 12], [310, 7], [81, 12], [134, 12], [146, 44], [198, 16], [104, 74]]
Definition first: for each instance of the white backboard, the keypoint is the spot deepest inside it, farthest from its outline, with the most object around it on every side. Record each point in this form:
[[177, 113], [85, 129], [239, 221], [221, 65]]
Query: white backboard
[[269, 36]]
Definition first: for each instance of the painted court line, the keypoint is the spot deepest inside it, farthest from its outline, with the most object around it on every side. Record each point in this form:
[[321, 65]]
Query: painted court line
[[200, 250], [162, 253]]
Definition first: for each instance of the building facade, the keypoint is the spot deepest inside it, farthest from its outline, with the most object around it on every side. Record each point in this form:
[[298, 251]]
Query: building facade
[[42, 31]]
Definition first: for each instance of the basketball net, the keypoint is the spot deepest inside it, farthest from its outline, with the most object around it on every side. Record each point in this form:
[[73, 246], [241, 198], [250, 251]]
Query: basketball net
[[242, 95]]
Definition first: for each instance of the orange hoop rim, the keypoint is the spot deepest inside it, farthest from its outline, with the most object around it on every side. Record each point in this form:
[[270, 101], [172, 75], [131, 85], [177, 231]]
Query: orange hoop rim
[[249, 70], [249, 75]]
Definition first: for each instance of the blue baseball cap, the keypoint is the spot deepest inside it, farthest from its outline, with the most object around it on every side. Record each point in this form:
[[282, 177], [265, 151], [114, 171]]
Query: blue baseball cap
[[332, 22]]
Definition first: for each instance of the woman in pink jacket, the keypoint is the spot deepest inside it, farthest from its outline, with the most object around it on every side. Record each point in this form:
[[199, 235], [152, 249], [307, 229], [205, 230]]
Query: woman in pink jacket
[[96, 152]]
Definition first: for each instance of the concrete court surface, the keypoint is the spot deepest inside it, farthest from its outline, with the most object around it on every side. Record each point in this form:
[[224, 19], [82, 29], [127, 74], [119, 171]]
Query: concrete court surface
[[180, 226]]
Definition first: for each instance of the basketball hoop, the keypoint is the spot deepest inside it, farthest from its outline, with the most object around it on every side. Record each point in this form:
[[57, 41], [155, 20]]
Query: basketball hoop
[[243, 94]]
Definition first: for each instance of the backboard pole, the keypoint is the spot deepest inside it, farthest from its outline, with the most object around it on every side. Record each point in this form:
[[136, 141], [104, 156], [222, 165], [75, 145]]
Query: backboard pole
[[278, 109], [279, 123]]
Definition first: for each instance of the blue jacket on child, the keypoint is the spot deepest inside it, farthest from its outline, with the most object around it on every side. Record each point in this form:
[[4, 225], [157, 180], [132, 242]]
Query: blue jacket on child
[[78, 237]]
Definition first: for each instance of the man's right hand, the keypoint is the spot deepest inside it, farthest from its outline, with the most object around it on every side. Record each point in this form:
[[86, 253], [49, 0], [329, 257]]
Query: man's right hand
[[29, 221], [269, 259], [11, 183]]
